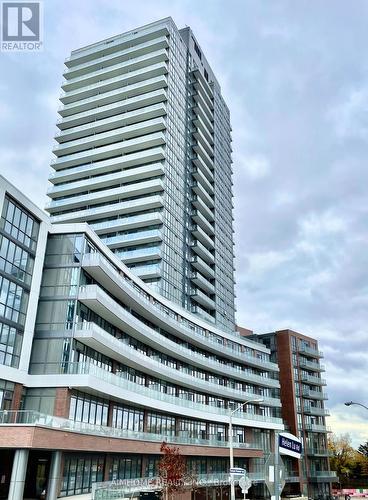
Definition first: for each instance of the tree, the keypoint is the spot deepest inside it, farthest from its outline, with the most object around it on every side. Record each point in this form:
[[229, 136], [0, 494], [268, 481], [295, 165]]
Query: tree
[[171, 469], [343, 456], [363, 449]]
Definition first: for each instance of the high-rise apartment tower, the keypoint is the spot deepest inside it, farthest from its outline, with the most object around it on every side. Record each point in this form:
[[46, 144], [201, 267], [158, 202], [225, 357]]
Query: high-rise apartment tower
[[143, 155]]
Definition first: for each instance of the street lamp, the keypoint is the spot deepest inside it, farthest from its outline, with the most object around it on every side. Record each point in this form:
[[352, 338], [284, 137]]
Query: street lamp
[[349, 403], [232, 486]]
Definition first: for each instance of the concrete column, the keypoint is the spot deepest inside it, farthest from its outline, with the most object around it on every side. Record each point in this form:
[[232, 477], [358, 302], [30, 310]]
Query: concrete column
[[18, 475], [54, 476]]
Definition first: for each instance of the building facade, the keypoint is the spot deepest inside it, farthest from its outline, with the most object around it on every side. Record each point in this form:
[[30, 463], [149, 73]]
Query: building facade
[[143, 155], [303, 399], [97, 369]]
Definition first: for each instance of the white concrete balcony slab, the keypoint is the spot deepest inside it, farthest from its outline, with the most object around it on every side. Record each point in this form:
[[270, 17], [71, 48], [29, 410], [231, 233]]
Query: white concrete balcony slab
[[130, 239], [120, 287], [200, 164], [117, 82], [140, 254], [127, 222], [198, 109], [202, 179], [116, 58], [112, 122], [148, 271], [200, 125], [199, 100], [96, 380], [106, 195], [95, 337], [204, 93], [111, 136], [200, 190], [203, 299], [202, 282], [197, 147], [106, 166], [115, 44], [200, 81], [109, 72], [199, 137], [200, 235], [202, 251], [104, 152], [207, 226], [201, 266], [111, 103], [124, 207], [125, 290], [199, 204], [108, 180]]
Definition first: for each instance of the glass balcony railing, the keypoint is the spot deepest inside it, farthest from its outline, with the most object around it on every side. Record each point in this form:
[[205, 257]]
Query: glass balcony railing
[[89, 369], [166, 314], [32, 417]]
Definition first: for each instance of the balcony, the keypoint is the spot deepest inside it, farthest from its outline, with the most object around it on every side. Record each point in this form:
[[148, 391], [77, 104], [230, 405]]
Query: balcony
[[202, 251], [200, 190], [200, 151], [106, 166], [147, 271], [201, 179], [199, 100], [139, 75], [325, 475], [201, 236], [86, 376], [316, 427], [314, 410], [310, 351], [106, 195], [128, 222], [201, 84], [202, 299], [124, 207], [314, 394], [116, 44], [204, 268], [199, 280], [318, 452], [310, 365], [131, 294], [310, 379], [111, 136], [115, 70], [133, 238], [95, 337], [200, 125], [201, 113], [201, 221], [112, 59], [108, 180], [139, 254], [201, 313], [32, 417], [123, 119], [102, 106], [200, 164], [199, 204], [104, 152], [200, 138]]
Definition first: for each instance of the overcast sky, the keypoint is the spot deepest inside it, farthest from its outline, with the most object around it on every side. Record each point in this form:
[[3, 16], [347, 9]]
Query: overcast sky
[[294, 74]]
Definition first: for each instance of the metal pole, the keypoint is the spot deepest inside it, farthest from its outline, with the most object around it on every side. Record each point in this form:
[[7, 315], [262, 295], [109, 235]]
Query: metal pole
[[277, 474], [232, 486]]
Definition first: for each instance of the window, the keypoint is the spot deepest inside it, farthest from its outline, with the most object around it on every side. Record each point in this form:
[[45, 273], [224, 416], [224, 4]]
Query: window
[[85, 408], [80, 471]]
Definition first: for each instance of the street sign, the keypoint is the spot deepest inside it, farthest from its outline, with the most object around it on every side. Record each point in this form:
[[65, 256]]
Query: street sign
[[237, 470], [245, 483], [269, 474], [290, 445]]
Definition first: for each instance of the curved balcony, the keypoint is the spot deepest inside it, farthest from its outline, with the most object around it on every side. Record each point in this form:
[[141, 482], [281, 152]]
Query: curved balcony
[[139, 254], [95, 337], [125, 207], [133, 238], [107, 180], [129, 293], [106, 166], [86, 376], [128, 222]]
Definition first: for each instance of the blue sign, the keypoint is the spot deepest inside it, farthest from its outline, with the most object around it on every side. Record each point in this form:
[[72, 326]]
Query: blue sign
[[290, 445]]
